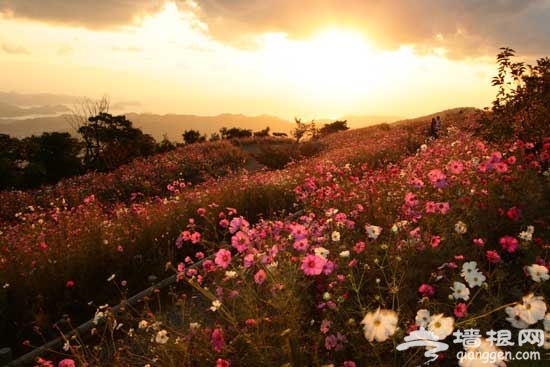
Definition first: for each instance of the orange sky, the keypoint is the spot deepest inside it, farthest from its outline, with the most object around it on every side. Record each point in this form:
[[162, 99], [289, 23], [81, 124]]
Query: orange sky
[[289, 58]]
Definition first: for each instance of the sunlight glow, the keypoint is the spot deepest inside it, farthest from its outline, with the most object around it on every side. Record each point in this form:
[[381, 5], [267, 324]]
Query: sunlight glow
[[330, 64]]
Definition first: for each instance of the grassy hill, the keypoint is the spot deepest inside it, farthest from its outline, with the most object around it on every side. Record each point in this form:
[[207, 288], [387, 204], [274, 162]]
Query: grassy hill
[[330, 260]]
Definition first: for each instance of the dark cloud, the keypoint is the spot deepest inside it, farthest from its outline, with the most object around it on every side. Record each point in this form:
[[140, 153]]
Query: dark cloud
[[13, 49], [96, 14], [469, 27]]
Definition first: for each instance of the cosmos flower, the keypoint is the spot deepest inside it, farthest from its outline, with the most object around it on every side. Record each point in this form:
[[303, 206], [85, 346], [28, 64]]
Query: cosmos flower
[[441, 326], [538, 273], [379, 325], [460, 291]]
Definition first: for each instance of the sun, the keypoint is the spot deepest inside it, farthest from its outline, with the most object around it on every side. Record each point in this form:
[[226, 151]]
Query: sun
[[334, 63]]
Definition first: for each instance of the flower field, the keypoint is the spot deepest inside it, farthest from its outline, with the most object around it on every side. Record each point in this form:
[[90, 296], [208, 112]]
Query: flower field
[[332, 260]]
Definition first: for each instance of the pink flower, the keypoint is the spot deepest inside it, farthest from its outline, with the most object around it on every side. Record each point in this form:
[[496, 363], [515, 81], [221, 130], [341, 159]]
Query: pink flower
[[201, 212], [223, 258], [508, 243], [217, 339], [260, 276], [248, 260], [359, 247], [455, 167], [435, 241], [331, 342], [69, 284], [430, 207], [410, 199], [238, 223], [349, 364], [492, 256], [461, 310], [426, 290], [437, 178], [240, 241], [301, 244], [479, 242], [325, 326], [313, 264], [513, 214], [66, 363], [443, 208], [195, 238], [222, 363]]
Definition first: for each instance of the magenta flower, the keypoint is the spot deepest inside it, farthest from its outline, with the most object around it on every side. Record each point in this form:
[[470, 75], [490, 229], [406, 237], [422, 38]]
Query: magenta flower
[[240, 241], [222, 363], [260, 276], [313, 264], [426, 290], [508, 243], [223, 258], [461, 310], [66, 363], [217, 339], [492, 256]]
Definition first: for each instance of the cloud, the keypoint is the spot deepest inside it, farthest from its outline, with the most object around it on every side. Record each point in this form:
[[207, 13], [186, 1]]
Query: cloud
[[465, 28], [14, 49], [97, 14]]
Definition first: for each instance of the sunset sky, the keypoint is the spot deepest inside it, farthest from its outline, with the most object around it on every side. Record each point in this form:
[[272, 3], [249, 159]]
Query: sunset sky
[[307, 58]]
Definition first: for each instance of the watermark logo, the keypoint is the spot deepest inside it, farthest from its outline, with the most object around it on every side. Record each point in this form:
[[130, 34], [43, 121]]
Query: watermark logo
[[476, 346], [424, 338]]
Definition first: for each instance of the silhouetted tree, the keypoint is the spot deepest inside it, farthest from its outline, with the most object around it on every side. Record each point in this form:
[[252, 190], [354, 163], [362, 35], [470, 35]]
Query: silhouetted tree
[[112, 141], [262, 133], [339, 125], [193, 136], [49, 158], [165, 145], [304, 130], [10, 157], [234, 133]]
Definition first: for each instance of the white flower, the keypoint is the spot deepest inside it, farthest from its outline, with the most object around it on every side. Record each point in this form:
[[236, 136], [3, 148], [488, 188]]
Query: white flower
[[216, 304], [373, 231], [441, 326], [66, 346], [534, 309], [161, 337], [379, 325], [525, 236], [475, 279], [321, 252], [423, 147], [468, 268], [335, 236], [514, 317], [460, 291], [344, 254], [423, 318], [143, 324], [230, 274], [538, 273], [461, 227], [484, 355]]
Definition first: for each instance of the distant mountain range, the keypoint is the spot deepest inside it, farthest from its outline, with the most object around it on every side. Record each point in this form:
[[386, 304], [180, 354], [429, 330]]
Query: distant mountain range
[[19, 120], [9, 110]]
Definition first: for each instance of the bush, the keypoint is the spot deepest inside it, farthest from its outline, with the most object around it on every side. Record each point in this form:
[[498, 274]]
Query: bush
[[522, 105]]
